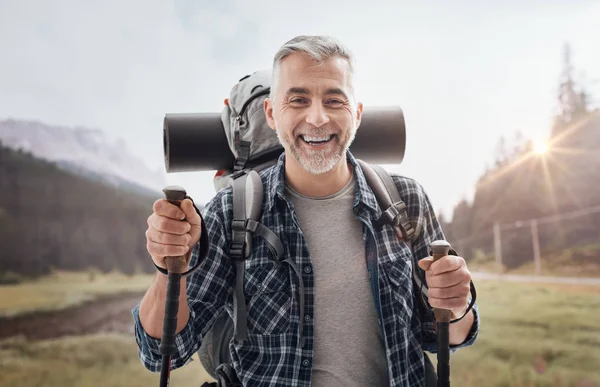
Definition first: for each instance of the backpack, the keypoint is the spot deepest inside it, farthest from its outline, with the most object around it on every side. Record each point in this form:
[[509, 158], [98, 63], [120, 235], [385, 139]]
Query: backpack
[[254, 144], [255, 147]]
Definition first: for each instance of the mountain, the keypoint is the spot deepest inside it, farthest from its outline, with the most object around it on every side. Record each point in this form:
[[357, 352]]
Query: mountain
[[51, 218], [83, 151]]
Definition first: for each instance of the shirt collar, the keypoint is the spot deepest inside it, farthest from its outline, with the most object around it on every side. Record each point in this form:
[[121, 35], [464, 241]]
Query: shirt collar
[[363, 195]]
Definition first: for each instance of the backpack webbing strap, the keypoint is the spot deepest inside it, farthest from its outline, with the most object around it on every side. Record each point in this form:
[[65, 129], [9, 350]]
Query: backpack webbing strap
[[394, 211], [237, 251], [273, 243], [247, 203], [243, 150]]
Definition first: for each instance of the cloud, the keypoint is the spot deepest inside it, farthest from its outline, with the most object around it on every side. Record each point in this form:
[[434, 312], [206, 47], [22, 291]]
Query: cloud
[[114, 65], [464, 72]]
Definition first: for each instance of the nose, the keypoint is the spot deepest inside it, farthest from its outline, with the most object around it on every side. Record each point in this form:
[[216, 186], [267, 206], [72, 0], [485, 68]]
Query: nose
[[317, 115]]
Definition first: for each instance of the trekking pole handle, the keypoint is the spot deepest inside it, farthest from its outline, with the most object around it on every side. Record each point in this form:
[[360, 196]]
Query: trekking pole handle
[[439, 249], [174, 195], [175, 267]]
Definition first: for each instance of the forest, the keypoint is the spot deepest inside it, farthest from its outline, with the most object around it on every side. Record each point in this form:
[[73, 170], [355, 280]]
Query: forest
[[54, 219], [527, 183]]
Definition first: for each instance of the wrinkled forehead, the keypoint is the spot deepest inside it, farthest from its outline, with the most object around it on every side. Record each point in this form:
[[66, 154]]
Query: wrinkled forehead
[[302, 72]]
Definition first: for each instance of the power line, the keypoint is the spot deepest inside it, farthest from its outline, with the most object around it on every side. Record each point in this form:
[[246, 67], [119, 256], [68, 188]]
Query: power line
[[551, 218], [472, 238], [527, 223]]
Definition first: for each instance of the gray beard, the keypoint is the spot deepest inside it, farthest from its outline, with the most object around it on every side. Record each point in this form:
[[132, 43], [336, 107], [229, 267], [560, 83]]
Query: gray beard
[[316, 161]]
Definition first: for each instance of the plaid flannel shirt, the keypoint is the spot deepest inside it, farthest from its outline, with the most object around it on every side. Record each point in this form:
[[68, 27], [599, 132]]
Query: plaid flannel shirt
[[273, 355]]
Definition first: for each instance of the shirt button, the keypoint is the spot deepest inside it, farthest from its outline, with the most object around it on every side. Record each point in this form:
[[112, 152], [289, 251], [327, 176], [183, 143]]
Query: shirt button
[[305, 362], [307, 269], [307, 318]]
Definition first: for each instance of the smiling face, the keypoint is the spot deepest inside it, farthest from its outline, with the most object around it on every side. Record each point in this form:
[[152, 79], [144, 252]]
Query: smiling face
[[313, 111]]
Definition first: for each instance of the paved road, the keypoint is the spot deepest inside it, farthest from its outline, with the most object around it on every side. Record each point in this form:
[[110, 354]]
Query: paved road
[[535, 278]]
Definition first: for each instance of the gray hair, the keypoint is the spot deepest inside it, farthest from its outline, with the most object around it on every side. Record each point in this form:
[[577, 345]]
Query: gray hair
[[319, 48]]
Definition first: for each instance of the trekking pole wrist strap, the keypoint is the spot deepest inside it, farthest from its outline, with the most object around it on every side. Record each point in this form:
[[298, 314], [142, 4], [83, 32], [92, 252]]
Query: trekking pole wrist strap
[[470, 306], [203, 246]]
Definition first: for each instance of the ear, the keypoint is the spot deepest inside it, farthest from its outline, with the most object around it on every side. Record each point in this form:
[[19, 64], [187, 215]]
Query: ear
[[268, 107], [359, 112]]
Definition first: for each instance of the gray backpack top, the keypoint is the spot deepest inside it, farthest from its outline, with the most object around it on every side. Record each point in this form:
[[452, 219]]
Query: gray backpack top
[[253, 143]]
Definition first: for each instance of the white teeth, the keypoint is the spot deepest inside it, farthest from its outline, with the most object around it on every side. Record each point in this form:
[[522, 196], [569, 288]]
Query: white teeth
[[316, 139]]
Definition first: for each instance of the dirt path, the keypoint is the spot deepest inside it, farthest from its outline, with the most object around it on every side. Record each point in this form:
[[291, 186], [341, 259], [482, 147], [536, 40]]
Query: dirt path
[[109, 314]]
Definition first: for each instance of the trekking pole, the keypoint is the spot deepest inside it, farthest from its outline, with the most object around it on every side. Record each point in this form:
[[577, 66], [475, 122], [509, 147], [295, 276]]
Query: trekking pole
[[175, 267], [439, 249]]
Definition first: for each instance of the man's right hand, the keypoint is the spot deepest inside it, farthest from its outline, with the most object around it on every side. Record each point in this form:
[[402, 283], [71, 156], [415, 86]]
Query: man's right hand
[[172, 230]]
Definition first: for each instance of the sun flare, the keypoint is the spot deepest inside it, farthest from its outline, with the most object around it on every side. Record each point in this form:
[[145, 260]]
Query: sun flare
[[540, 147]]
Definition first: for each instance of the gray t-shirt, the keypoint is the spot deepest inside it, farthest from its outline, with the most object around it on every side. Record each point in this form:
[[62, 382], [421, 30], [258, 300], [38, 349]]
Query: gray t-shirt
[[349, 346]]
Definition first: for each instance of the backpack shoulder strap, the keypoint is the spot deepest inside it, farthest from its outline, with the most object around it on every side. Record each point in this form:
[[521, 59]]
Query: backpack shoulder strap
[[396, 215], [394, 210], [393, 207], [247, 205]]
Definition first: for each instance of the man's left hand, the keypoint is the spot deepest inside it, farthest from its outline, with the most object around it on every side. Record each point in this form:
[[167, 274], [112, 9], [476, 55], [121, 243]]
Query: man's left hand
[[448, 280]]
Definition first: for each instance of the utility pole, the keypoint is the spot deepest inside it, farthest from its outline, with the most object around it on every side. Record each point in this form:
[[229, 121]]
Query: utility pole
[[497, 244], [536, 247]]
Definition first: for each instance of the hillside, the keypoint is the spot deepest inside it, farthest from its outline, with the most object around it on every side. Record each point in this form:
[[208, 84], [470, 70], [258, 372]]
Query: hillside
[[525, 185], [540, 201], [51, 218], [82, 150]]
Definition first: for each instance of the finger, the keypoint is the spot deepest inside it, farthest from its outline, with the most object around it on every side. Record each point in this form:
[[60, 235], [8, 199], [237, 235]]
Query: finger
[[189, 210], [446, 264], [164, 208], [166, 238], [454, 303], [168, 225], [162, 250], [425, 263], [448, 279], [461, 289]]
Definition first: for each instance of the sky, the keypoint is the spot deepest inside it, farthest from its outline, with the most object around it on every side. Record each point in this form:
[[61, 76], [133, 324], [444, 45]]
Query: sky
[[464, 72]]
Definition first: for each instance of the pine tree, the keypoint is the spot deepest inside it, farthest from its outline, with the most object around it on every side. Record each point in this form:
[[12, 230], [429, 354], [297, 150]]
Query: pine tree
[[572, 98]]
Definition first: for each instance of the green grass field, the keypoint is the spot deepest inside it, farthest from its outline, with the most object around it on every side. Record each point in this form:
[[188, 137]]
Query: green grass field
[[531, 335], [95, 360], [64, 289]]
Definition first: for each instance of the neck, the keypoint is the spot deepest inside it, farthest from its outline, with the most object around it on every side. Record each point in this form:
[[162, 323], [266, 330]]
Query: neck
[[321, 185]]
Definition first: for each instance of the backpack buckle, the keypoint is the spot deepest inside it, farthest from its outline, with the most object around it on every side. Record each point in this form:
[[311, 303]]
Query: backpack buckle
[[239, 164], [237, 174], [237, 246], [395, 213], [396, 216], [243, 150]]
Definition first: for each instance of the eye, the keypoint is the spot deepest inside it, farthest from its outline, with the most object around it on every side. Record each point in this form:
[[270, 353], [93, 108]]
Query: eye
[[298, 101], [334, 102]]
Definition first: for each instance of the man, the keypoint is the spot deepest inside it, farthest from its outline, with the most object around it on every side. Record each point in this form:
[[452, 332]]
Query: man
[[362, 322]]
